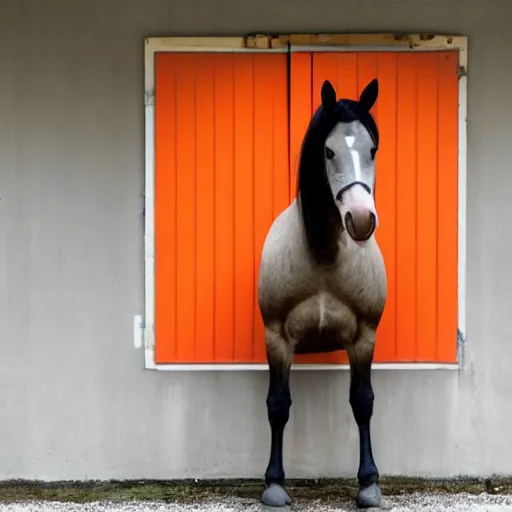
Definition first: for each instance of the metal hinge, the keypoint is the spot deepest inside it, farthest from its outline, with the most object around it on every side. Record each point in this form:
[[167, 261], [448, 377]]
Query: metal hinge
[[138, 331], [461, 339], [143, 335], [461, 71]]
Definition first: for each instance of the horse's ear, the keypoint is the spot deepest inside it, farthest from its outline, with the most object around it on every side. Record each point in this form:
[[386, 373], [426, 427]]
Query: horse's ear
[[328, 95], [369, 95]]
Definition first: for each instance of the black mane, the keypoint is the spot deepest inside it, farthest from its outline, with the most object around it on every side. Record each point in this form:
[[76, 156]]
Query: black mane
[[320, 216]]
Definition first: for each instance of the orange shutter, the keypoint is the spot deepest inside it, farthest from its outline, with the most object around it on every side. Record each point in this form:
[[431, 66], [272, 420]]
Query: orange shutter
[[221, 177], [416, 191]]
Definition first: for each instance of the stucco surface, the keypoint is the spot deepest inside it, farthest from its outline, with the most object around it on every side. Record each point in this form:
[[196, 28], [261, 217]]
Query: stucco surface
[[75, 401]]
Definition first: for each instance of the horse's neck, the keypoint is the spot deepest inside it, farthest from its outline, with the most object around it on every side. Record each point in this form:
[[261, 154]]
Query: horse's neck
[[323, 230]]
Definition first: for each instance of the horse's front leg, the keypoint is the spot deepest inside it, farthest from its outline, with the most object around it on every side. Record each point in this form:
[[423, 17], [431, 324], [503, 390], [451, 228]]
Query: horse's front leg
[[361, 399], [279, 401]]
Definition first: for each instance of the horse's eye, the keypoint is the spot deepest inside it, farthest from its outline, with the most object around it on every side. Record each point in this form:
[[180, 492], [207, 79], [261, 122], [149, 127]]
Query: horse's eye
[[373, 152], [329, 153]]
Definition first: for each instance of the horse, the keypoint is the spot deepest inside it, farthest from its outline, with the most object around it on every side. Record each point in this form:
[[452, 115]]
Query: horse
[[322, 282]]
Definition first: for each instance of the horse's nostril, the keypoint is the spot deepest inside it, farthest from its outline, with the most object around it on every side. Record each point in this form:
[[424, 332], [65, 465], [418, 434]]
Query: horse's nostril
[[361, 226]]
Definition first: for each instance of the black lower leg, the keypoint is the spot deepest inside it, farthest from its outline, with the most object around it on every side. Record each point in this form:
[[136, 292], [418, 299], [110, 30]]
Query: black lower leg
[[361, 400], [278, 407]]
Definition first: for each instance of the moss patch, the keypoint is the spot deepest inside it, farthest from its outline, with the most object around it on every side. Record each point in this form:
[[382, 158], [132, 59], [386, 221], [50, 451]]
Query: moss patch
[[187, 491]]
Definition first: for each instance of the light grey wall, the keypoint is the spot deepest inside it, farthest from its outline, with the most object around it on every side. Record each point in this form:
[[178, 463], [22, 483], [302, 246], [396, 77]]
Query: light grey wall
[[75, 401]]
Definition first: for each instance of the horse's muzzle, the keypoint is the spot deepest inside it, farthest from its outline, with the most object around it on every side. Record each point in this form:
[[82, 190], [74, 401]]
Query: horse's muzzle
[[357, 210], [360, 225]]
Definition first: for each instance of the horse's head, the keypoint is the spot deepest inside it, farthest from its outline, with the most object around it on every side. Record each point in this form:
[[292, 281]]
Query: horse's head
[[349, 158]]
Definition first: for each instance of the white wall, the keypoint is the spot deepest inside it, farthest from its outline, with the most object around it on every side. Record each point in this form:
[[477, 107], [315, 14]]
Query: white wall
[[75, 401]]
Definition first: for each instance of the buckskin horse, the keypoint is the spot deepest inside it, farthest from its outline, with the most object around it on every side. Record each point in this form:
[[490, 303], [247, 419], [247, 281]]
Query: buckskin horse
[[322, 282]]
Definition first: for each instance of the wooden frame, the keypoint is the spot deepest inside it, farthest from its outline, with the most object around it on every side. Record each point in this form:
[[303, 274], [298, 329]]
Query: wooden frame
[[297, 43]]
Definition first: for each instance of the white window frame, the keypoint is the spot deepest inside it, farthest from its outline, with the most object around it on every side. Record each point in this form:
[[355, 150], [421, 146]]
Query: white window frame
[[144, 326]]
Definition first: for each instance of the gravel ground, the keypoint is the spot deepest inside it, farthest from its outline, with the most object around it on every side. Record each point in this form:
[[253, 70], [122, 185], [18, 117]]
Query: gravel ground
[[433, 502]]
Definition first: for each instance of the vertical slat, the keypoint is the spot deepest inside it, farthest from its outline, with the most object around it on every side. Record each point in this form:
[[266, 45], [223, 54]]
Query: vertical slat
[[300, 110], [281, 136], [263, 179], [224, 206], [346, 69], [185, 208], [426, 186], [165, 209], [244, 198], [301, 92], [385, 199], [406, 208], [325, 67], [447, 189], [366, 72], [205, 207]]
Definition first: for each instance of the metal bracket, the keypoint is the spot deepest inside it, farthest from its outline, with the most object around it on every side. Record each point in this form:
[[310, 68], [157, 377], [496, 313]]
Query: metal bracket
[[149, 99], [138, 331]]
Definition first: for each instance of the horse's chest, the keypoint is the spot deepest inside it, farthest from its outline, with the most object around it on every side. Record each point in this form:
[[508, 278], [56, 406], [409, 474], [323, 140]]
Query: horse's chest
[[321, 323]]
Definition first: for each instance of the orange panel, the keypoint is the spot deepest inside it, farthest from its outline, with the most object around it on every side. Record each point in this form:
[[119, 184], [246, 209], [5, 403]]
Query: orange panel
[[416, 192], [222, 175]]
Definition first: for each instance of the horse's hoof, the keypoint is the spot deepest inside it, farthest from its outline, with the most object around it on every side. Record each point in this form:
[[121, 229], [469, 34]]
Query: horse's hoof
[[369, 497], [275, 496]]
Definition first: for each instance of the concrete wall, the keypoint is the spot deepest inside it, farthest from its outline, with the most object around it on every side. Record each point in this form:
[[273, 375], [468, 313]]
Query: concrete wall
[[75, 401]]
